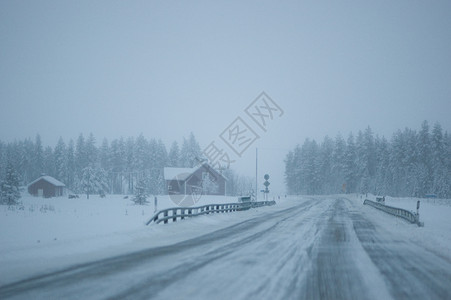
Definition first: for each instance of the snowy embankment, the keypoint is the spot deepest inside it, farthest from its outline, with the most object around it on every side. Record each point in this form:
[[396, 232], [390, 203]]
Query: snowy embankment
[[44, 235], [435, 213]]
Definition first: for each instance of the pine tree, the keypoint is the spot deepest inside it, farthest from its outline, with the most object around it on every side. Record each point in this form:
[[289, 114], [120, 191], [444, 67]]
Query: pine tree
[[185, 155], [162, 155], [327, 148], [81, 160], [141, 159], [91, 150], [338, 162], [2, 160], [93, 181], [9, 188], [424, 164], [87, 181], [49, 161], [174, 156], [129, 154], [438, 161], [100, 184], [71, 169], [190, 154], [350, 166], [26, 161], [104, 155], [60, 157], [383, 175], [140, 197], [209, 184], [289, 176], [38, 159], [118, 165]]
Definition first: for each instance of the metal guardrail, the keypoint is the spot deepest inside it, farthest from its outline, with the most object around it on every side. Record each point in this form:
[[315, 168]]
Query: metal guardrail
[[172, 214], [409, 216]]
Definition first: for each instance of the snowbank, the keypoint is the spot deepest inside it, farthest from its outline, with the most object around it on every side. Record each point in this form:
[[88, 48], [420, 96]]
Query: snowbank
[[435, 213]]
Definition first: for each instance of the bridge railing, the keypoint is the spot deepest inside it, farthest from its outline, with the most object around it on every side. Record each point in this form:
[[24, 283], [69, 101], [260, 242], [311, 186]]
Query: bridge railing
[[179, 213], [395, 211]]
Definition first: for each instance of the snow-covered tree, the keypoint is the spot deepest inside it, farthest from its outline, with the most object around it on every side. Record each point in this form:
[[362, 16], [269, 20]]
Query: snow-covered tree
[[439, 167], [86, 181], [326, 151], [49, 161], [81, 160], [60, 160], [338, 163], [71, 169], [162, 155], [412, 163], [190, 154], [209, 184], [9, 187], [25, 168], [141, 154], [91, 150], [174, 155], [94, 181], [2, 160], [140, 195], [104, 155], [383, 175], [350, 165], [38, 159]]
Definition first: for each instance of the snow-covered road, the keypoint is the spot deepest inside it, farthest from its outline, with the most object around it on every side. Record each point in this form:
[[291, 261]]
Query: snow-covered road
[[321, 248]]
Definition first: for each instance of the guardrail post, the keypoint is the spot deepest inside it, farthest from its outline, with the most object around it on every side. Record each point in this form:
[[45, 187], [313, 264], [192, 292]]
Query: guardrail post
[[165, 215]]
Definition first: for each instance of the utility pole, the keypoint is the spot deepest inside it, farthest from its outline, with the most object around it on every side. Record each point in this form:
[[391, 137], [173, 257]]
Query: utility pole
[[256, 177]]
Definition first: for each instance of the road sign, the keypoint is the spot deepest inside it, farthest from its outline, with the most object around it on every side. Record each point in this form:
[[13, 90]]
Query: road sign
[[266, 183], [266, 177]]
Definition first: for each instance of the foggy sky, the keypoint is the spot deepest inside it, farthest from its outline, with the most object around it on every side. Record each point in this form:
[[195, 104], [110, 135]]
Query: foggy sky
[[168, 68]]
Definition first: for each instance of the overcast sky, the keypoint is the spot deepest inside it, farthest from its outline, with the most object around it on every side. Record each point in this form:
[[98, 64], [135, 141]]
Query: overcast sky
[[168, 68]]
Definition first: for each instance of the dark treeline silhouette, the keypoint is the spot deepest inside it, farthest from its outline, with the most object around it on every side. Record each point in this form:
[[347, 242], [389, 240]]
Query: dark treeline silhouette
[[112, 167], [115, 167], [412, 163]]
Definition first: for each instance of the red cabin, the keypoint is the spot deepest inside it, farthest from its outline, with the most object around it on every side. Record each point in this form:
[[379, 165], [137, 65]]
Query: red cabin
[[46, 186]]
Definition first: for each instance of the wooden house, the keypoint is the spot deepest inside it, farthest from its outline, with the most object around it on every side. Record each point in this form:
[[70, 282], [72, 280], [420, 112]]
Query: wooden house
[[46, 186], [202, 179]]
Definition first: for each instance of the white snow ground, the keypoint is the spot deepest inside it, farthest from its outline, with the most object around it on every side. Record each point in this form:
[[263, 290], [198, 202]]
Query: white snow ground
[[51, 234], [435, 213]]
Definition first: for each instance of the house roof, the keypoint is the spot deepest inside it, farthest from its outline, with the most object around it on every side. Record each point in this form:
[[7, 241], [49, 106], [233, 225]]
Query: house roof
[[178, 173], [49, 179], [182, 174]]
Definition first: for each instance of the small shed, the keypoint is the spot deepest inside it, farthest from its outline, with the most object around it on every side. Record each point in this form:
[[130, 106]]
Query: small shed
[[46, 186]]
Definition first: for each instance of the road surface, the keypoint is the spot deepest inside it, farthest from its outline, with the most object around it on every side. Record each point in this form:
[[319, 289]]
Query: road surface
[[316, 249]]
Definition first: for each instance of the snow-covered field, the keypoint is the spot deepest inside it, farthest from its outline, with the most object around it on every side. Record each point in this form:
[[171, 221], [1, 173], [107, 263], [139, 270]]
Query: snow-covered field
[[52, 234], [47, 234]]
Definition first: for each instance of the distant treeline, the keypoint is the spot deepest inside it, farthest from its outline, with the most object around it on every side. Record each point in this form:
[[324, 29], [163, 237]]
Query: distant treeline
[[411, 163], [112, 167]]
